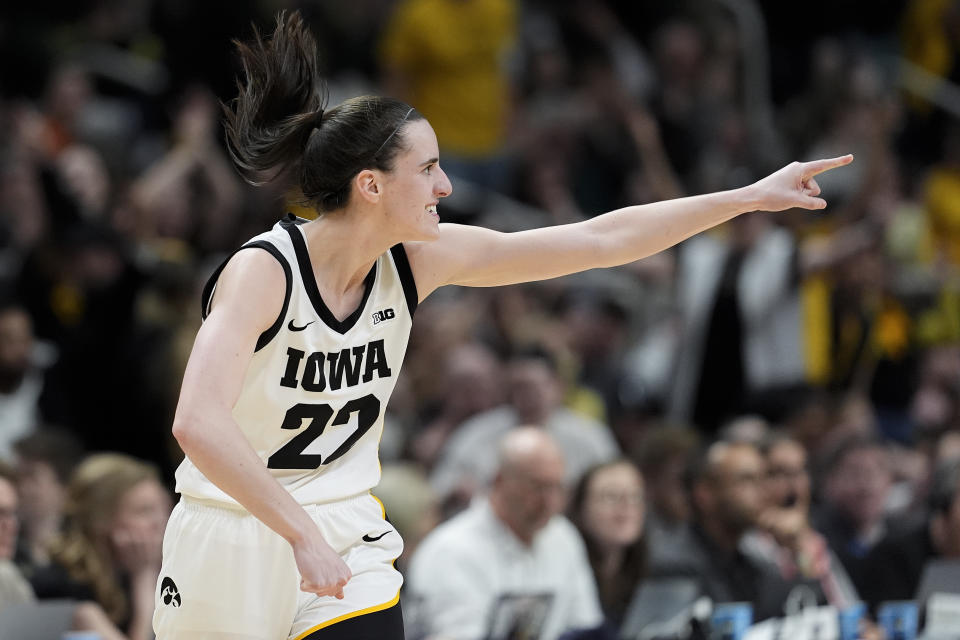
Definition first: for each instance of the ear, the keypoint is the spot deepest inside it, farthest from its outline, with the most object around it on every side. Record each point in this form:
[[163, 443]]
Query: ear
[[367, 185]]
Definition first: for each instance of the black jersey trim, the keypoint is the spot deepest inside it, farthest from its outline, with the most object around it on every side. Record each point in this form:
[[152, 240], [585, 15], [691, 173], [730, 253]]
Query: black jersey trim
[[310, 282], [211, 283], [290, 219], [406, 277]]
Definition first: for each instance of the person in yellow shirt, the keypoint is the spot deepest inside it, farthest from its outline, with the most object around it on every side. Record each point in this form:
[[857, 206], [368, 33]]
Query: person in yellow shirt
[[448, 57]]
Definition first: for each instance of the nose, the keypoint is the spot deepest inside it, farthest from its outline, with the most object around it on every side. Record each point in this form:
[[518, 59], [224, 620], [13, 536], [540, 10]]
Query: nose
[[443, 187]]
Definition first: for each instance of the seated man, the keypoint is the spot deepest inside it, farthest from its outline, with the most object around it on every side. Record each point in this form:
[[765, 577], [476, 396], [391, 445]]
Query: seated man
[[727, 497], [852, 515], [895, 566], [786, 538], [510, 565]]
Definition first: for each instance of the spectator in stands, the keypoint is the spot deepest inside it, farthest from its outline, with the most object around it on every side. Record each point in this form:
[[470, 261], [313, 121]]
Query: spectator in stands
[[785, 536], [471, 384], [45, 461], [13, 587], [21, 378], [110, 548], [607, 507], [741, 316], [449, 59], [191, 198], [496, 566], [595, 326], [534, 394], [855, 491], [728, 499], [895, 565], [664, 455]]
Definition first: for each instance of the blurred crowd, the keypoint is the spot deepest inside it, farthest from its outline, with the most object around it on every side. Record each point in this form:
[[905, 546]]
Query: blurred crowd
[[772, 403]]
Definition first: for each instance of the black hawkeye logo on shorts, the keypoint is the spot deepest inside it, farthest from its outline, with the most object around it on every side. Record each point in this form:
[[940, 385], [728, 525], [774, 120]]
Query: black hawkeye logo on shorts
[[294, 327], [368, 538], [169, 593]]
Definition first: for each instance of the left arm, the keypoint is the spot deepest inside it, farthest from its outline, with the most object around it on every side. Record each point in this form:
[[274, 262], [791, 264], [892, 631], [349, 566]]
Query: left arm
[[477, 257]]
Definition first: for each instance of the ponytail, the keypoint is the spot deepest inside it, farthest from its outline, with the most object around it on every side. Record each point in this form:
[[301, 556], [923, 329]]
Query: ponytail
[[280, 101], [279, 126]]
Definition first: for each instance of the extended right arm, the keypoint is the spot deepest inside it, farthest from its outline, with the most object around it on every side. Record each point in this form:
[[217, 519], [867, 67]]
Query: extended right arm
[[248, 299]]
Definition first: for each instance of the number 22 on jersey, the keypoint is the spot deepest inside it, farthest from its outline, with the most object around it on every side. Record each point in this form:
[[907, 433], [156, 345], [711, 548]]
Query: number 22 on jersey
[[292, 456]]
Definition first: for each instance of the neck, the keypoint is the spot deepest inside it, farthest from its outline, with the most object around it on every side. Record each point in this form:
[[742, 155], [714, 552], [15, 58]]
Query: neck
[[611, 559], [503, 515], [720, 536], [343, 246]]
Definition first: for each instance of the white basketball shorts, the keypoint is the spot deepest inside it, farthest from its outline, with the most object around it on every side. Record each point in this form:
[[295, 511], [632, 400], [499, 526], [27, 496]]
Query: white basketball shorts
[[225, 574]]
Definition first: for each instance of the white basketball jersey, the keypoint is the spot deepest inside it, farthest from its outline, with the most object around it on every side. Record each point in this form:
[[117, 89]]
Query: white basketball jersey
[[315, 392]]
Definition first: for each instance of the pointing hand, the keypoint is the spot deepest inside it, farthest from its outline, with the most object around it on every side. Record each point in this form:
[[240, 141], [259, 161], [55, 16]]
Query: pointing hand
[[794, 185]]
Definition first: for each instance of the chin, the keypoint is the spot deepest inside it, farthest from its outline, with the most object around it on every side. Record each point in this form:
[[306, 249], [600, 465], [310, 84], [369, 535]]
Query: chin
[[428, 234]]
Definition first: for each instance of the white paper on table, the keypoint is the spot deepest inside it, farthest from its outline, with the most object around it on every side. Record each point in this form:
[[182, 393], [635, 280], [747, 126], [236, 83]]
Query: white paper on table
[[813, 623], [943, 615]]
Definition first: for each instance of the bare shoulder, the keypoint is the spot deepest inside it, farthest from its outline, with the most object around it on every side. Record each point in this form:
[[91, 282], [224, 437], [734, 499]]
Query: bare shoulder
[[251, 290], [437, 263], [450, 234]]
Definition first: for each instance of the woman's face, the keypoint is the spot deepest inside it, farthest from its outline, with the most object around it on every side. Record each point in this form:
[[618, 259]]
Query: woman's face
[[613, 506], [144, 508], [413, 189]]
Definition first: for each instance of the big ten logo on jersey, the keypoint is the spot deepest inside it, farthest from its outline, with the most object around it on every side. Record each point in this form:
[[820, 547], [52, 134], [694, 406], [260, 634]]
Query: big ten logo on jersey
[[335, 369], [386, 314]]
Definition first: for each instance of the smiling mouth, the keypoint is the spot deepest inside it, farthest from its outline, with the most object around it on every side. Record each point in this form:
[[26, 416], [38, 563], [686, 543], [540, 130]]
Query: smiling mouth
[[432, 209]]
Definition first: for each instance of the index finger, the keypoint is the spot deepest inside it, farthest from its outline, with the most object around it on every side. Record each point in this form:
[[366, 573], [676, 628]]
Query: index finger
[[816, 167]]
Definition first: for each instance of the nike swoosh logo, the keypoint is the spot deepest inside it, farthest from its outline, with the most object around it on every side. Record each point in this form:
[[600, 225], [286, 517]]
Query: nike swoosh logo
[[367, 538], [294, 327]]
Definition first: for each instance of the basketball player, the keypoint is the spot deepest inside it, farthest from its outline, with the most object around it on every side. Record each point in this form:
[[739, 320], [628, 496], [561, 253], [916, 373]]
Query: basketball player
[[304, 332]]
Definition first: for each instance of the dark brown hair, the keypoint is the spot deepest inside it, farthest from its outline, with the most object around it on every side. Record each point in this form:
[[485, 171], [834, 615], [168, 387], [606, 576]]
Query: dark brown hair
[[615, 596], [278, 125], [52, 446]]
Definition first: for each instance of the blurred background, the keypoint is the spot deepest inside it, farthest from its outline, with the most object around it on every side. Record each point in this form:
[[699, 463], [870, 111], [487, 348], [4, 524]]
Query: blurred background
[[838, 331]]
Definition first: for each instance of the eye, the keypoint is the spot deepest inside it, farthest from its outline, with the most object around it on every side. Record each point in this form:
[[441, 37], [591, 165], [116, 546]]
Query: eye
[[427, 169]]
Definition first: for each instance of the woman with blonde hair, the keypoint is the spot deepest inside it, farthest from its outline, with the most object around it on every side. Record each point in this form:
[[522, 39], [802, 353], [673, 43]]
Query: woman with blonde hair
[[110, 548]]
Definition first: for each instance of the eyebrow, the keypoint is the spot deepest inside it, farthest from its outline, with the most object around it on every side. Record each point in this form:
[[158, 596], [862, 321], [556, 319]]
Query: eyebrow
[[430, 161]]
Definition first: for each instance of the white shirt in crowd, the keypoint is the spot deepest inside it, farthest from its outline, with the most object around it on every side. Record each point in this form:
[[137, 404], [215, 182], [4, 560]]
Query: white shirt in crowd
[[471, 565]]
